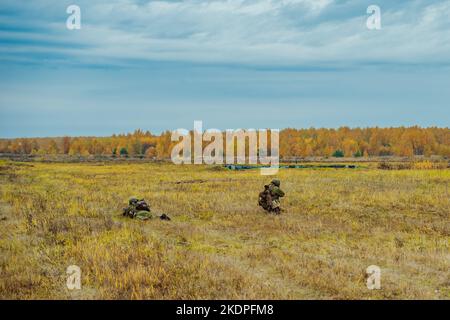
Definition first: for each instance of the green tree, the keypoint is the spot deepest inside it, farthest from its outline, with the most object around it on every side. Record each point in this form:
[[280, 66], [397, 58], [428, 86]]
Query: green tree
[[358, 154], [124, 152], [338, 154]]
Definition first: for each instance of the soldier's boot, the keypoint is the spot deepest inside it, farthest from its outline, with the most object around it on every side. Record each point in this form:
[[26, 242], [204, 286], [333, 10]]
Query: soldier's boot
[[277, 211], [165, 217]]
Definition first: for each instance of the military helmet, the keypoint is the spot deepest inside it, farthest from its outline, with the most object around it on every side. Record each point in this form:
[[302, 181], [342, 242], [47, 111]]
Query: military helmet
[[133, 200], [276, 182]]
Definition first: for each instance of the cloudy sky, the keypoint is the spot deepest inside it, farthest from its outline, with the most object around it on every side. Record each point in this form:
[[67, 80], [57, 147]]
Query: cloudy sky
[[160, 65]]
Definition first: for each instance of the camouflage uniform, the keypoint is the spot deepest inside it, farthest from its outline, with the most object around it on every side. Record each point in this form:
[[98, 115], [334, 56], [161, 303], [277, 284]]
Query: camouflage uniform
[[276, 193], [137, 208], [144, 215]]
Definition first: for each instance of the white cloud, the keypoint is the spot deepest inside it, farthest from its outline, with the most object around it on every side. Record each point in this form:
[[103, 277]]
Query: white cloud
[[261, 32]]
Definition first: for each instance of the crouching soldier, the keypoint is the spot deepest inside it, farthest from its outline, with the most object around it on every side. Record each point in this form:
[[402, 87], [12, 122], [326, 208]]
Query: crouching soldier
[[269, 199], [275, 193]]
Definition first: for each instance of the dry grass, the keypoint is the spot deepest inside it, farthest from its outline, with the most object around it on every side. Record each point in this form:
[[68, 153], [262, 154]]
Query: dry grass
[[219, 244]]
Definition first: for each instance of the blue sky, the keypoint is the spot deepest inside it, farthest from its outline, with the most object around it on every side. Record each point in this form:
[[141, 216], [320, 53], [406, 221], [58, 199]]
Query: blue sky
[[160, 65]]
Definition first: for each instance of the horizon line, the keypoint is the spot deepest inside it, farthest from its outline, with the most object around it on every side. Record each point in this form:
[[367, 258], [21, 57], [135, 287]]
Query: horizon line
[[167, 130]]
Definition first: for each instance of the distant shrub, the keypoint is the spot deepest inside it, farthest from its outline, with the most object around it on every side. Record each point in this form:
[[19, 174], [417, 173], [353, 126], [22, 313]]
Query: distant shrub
[[428, 165], [338, 154], [384, 166], [124, 152], [394, 166]]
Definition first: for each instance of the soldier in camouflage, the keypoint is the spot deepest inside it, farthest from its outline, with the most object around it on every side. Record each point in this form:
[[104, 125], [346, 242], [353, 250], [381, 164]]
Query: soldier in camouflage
[[137, 208], [276, 193], [140, 209], [269, 199]]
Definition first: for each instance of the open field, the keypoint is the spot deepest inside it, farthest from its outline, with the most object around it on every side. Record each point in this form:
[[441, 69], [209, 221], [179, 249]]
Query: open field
[[220, 244]]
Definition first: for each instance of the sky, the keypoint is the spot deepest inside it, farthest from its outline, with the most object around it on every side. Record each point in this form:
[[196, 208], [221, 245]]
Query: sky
[[160, 65]]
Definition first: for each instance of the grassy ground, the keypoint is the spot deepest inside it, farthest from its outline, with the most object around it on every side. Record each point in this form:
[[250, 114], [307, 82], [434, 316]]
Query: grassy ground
[[219, 244]]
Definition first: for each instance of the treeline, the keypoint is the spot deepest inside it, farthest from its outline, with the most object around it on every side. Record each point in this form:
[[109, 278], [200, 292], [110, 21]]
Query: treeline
[[342, 142]]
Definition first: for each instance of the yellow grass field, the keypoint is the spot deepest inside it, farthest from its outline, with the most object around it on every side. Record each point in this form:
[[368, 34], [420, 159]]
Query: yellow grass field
[[220, 244]]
